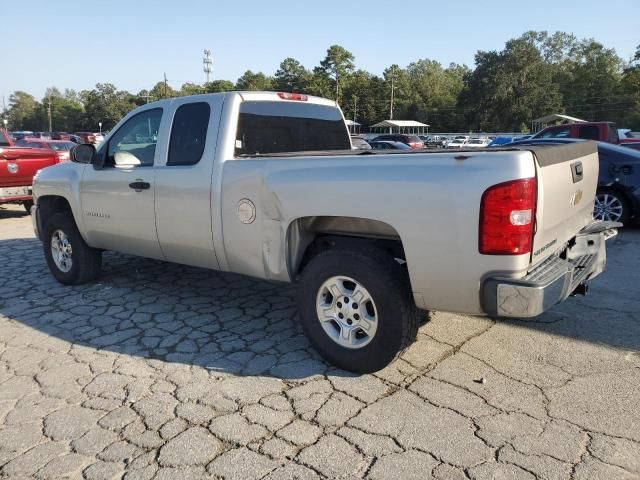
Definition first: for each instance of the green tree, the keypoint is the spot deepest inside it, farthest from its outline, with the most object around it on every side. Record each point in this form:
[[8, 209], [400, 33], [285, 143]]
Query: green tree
[[337, 64], [509, 88], [162, 90], [217, 86], [190, 88], [105, 104], [67, 112], [291, 76], [254, 81], [23, 112], [363, 97]]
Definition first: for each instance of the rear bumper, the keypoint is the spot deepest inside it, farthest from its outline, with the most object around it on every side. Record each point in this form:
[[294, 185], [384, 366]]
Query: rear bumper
[[553, 280], [15, 194]]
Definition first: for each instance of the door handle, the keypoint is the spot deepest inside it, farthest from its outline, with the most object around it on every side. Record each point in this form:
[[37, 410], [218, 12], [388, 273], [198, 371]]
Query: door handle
[[139, 185]]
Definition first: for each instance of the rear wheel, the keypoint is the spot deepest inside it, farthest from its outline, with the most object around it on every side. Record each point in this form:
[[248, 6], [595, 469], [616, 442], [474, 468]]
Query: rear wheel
[[610, 205], [70, 259], [356, 308]]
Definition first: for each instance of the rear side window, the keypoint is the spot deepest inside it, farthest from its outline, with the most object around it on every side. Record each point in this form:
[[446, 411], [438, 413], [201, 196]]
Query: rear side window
[[589, 132], [189, 134], [278, 127], [613, 134]]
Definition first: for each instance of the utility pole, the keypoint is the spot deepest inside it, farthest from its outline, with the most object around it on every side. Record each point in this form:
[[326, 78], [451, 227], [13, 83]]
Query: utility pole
[[49, 113], [355, 108], [207, 63], [165, 85], [393, 79]]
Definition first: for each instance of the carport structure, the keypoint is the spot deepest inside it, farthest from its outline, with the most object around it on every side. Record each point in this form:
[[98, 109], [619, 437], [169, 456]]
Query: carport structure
[[542, 122], [400, 126]]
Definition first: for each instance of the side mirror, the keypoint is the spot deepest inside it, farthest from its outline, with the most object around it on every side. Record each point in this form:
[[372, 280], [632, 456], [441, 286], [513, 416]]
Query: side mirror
[[125, 159], [83, 153]]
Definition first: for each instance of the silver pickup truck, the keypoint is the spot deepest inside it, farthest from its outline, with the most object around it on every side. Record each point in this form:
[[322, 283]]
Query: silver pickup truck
[[266, 184]]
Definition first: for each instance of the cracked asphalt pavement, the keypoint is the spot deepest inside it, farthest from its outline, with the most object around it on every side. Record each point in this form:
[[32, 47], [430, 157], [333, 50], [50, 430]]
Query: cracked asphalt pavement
[[161, 371]]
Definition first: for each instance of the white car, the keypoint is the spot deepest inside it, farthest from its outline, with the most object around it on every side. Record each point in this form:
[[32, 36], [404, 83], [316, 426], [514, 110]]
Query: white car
[[477, 143], [457, 143]]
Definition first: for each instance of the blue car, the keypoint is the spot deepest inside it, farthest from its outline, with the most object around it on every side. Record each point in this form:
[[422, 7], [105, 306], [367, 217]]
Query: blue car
[[618, 194]]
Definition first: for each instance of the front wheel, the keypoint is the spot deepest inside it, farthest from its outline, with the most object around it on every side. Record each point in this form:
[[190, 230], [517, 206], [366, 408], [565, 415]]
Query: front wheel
[[610, 205], [70, 259], [356, 308]]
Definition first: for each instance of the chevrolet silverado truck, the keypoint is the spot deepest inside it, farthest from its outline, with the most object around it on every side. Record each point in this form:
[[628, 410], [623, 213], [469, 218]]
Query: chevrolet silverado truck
[[18, 165], [266, 184]]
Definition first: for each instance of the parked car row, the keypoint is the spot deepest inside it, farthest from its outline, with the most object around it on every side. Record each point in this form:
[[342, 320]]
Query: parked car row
[[77, 137]]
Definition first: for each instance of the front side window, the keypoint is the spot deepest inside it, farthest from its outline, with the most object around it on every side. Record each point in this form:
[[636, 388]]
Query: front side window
[[134, 144], [278, 127], [189, 134]]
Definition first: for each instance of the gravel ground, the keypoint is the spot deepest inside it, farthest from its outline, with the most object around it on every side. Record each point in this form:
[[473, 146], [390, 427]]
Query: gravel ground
[[165, 371]]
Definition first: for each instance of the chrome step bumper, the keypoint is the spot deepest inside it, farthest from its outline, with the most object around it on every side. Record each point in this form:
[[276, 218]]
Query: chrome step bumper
[[554, 279]]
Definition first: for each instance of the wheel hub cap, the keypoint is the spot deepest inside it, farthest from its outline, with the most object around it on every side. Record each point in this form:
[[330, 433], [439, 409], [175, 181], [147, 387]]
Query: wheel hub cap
[[61, 251], [347, 312], [607, 207]]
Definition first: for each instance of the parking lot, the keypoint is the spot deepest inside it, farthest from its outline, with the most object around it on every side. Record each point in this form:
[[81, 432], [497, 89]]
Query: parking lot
[[166, 371]]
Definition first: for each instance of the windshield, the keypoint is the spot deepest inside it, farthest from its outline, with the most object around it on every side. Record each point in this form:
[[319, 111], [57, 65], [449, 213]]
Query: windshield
[[62, 146], [476, 142]]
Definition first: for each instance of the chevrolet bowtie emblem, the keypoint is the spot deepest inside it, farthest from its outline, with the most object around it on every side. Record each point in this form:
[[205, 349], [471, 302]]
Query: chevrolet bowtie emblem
[[576, 197]]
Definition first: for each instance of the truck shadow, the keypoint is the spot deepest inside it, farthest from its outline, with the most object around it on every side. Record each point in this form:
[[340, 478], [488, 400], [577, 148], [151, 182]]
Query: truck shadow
[[13, 212], [231, 323]]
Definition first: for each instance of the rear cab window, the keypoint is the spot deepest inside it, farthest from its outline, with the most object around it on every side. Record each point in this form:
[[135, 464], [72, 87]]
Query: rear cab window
[[589, 132], [267, 127]]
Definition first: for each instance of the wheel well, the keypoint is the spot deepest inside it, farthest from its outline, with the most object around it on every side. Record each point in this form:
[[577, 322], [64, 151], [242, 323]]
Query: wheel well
[[309, 236], [50, 204]]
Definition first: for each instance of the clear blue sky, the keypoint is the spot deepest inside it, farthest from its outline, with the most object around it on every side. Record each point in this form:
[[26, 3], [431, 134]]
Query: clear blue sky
[[75, 44]]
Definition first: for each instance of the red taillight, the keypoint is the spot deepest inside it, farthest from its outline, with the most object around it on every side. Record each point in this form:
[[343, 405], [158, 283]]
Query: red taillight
[[293, 96], [507, 216]]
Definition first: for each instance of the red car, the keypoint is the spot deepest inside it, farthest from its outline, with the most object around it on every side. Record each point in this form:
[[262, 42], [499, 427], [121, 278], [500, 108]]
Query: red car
[[87, 137], [601, 131], [60, 147], [18, 165]]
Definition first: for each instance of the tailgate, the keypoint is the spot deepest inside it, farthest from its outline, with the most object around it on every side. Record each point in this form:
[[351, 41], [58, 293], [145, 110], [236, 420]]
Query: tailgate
[[567, 182], [19, 165]]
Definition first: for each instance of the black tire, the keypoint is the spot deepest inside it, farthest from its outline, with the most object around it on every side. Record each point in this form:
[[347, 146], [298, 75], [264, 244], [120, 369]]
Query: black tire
[[626, 209], [27, 206], [86, 262], [388, 284]]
